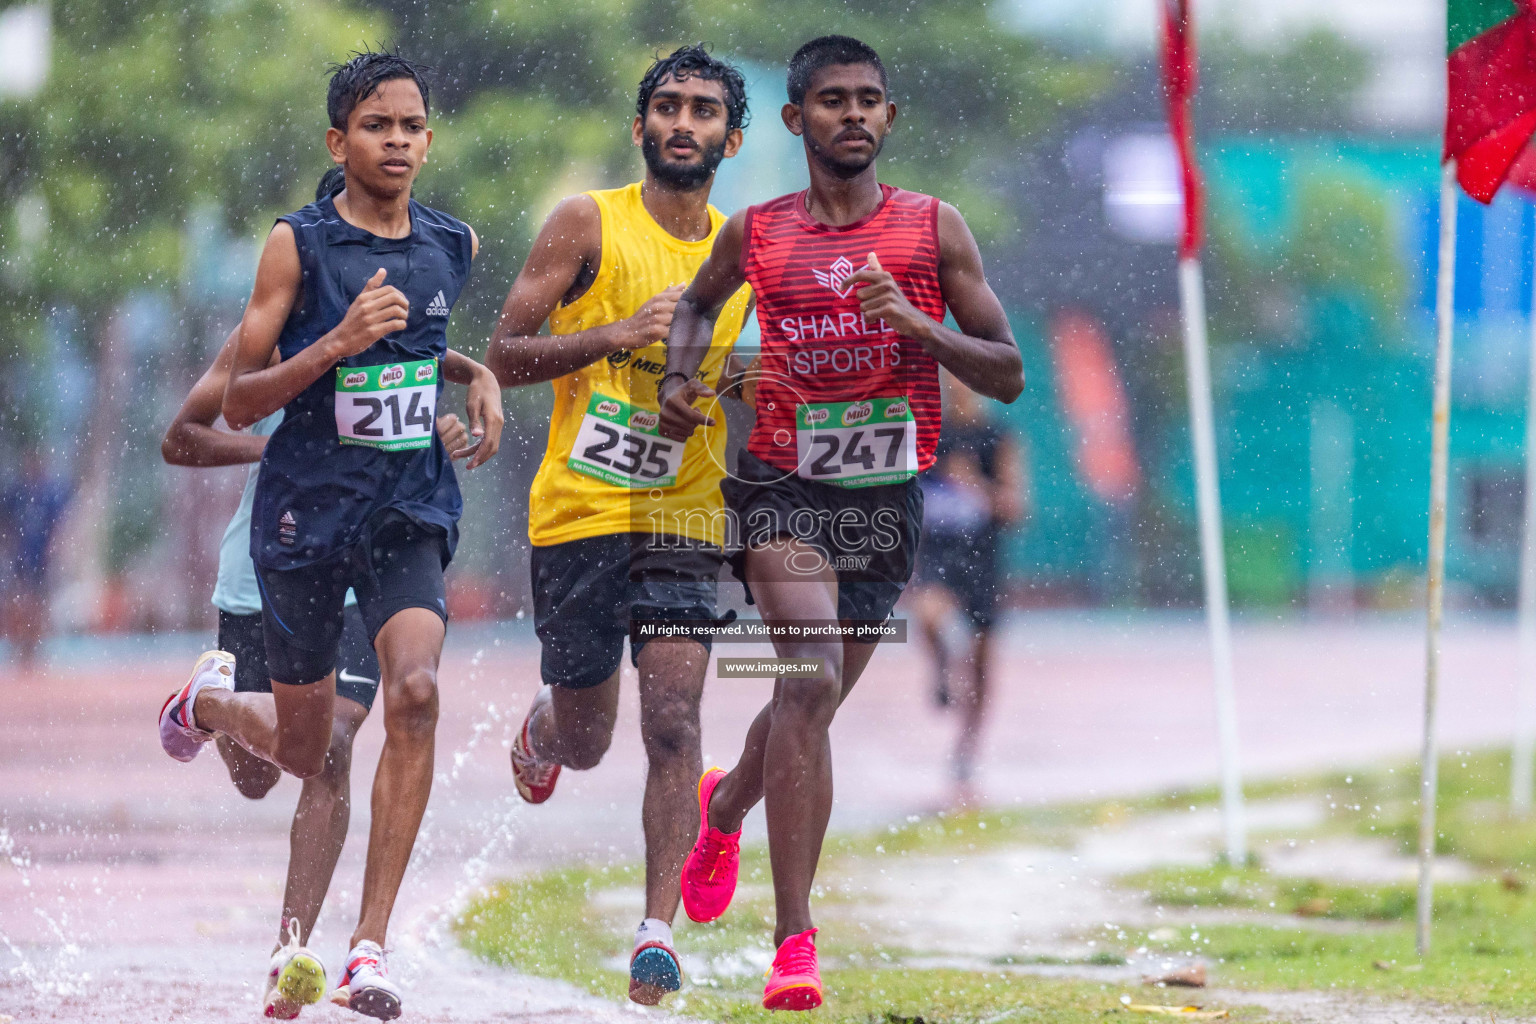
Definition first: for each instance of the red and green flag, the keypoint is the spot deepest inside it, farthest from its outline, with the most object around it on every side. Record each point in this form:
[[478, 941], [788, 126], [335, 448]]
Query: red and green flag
[[1491, 97]]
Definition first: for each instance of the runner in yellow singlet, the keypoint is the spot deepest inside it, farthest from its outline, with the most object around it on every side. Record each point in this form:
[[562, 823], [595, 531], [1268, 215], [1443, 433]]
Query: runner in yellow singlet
[[627, 526]]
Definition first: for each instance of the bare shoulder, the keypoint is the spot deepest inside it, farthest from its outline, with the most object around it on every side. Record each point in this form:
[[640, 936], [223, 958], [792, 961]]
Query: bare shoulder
[[575, 224], [728, 242], [281, 240], [279, 264], [736, 224], [953, 230]]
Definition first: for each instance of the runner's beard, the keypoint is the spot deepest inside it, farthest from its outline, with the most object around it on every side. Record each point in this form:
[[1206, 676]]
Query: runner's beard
[[684, 177], [843, 168]]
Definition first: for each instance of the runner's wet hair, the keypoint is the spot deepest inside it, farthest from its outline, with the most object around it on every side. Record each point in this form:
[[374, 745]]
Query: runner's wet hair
[[696, 62], [331, 182], [360, 77], [824, 52]]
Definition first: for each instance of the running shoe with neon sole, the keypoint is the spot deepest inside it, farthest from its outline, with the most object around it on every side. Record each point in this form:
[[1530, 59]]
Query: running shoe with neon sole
[[179, 734], [709, 872], [295, 979], [534, 777], [365, 987], [653, 973], [794, 981]]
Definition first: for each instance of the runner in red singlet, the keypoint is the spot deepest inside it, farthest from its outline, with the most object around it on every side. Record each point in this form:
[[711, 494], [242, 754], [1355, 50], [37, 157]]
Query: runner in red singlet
[[852, 280]]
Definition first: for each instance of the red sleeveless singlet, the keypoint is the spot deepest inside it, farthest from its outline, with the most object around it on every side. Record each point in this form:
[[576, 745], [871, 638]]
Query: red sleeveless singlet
[[816, 345]]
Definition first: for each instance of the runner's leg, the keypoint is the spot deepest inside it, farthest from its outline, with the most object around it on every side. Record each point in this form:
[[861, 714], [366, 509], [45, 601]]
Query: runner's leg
[[320, 823], [740, 790], [934, 607], [796, 761], [290, 727], [252, 776], [241, 636], [671, 688], [324, 812], [575, 727], [409, 646], [973, 705], [580, 608]]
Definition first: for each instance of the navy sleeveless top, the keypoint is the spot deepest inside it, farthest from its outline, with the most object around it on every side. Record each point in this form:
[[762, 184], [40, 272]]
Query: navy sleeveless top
[[315, 496]]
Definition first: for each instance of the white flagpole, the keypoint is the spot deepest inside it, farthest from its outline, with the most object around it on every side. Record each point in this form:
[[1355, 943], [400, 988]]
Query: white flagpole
[[1212, 557], [1525, 707], [1445, 316]]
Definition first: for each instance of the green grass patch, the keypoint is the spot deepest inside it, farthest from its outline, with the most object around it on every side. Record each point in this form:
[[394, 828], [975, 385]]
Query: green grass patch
[[567, 924], [1306, 933], [1483, 950], [1254, 889], [1483, 961]]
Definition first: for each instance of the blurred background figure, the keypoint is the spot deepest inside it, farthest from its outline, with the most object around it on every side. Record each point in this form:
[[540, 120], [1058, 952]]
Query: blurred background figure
[[31, 506], [976, 491]]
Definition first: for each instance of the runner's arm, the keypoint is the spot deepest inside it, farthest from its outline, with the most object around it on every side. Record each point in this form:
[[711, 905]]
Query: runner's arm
[[482, 406], [720, 276], [982, 354], [256, 388], [192, 439], [569, 248]]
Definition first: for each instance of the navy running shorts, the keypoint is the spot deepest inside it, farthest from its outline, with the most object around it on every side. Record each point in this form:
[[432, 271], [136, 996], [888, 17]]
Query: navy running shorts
[[397, 564], [357, 665]]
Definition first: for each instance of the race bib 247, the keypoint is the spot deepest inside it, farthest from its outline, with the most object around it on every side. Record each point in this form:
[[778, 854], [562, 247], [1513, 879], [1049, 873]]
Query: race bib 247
[[857, 444]]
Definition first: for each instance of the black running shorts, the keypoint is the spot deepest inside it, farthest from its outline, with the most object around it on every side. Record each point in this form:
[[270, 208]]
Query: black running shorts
[[586, 592], [965, 564], [397, 564], [357, 666], [868, 534]]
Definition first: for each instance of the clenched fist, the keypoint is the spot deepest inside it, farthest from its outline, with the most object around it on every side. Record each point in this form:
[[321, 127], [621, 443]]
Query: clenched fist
[[881, 298], [378, 310], [651, 321]]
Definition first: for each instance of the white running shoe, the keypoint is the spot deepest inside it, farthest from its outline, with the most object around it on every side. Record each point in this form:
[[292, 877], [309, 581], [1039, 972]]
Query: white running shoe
[[295, 979], [179, 734], [365, 985]]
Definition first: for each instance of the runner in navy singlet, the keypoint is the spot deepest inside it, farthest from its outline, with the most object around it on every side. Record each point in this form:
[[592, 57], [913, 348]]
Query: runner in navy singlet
[[355, 490], [321, 819], [852, 279]]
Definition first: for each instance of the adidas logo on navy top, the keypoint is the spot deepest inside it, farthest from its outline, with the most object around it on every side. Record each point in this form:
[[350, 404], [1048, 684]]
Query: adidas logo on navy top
[[438, 306]]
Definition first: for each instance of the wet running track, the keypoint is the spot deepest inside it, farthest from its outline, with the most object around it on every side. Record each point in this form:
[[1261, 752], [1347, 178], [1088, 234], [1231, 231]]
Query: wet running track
[[135, 888]]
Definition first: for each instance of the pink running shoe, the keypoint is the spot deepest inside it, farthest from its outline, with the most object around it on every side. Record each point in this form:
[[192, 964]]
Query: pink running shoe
[[534, 778], [709, 873], [794, 982], [180, 735]]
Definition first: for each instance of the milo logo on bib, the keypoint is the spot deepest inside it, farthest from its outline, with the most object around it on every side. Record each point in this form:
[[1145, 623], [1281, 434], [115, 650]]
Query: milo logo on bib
[[618, 444], [857, 413], [865, 443], [390, 407]]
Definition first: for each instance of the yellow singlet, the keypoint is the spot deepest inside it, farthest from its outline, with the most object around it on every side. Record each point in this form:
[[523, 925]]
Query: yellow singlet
[[605, 470]]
